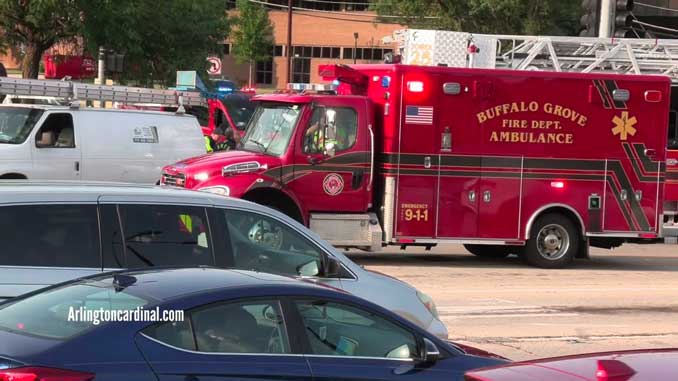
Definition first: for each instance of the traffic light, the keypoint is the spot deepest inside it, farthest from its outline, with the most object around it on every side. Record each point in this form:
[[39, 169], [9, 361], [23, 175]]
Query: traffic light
[[590, 19], [623, 20]]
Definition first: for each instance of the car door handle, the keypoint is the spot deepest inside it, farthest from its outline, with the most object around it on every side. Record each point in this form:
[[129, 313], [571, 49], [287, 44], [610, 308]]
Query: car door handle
[[148, 156], [77, 166]]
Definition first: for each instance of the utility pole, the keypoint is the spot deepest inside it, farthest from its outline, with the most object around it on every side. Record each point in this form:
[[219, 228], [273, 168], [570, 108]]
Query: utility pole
[[355, 48], [607, 18], [289, 41], [101, 67]]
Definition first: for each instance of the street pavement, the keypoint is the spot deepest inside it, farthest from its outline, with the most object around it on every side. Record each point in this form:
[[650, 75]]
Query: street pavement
[[621, 299]]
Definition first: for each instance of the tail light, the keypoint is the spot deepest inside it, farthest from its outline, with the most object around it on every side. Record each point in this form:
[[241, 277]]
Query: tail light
[[43, 374]]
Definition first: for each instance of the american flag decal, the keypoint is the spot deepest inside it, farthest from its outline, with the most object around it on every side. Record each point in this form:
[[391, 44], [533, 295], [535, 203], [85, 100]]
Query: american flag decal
[[419, 115]]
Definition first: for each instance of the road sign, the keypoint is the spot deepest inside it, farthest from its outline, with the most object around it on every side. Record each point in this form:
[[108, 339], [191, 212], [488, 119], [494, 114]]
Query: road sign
[[187, 79], [215, 65]]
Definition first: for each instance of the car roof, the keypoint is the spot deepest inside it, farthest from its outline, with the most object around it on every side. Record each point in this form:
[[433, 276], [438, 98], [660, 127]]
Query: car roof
[[651, 364], [32, 191], [164, 284]]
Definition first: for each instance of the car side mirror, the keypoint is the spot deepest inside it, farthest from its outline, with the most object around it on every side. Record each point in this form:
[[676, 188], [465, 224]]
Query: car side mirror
[[430, 354], [332, 268], [310, 268]]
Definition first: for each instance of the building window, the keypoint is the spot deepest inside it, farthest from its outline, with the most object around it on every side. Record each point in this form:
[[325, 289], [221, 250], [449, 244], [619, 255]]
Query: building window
[[373, 54], [302, 70], [278, 51], [317, 52], [265, 72], [324, 5]]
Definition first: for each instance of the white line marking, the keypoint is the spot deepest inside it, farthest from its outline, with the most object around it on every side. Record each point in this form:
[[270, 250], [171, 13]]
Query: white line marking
[[492, 316]]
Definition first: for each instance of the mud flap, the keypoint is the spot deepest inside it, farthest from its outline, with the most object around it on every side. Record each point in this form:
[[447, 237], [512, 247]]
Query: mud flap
[[583, 251]]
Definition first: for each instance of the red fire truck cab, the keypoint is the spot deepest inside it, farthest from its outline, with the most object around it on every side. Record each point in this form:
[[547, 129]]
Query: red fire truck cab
[[541, 164]]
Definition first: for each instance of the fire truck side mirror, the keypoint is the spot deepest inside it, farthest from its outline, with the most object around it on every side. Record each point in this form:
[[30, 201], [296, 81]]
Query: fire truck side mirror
[[330, 132], [330, 149]]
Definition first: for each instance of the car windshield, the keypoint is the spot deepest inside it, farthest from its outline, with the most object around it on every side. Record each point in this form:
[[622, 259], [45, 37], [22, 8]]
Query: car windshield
[[16, 123], [271, 128], [240, 108], [54, 313]]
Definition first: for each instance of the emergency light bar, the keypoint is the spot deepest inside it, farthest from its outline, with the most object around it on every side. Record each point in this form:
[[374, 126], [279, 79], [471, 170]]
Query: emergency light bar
[[312, 87]]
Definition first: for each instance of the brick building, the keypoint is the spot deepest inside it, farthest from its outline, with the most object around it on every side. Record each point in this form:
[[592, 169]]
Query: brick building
[[318, 37]]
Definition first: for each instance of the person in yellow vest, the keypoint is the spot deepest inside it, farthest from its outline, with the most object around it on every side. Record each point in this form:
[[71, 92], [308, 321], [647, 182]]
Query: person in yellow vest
[[208, 144]]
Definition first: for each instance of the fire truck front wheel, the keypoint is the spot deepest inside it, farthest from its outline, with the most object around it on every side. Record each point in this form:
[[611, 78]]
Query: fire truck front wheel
[[488, 251], [554, 242]]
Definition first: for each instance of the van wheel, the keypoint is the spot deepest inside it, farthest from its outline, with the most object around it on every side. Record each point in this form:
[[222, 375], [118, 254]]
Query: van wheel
[[554, 242], [489, 251]]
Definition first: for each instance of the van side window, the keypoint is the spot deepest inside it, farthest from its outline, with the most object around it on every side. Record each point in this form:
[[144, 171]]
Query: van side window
[[56, 132], [159, 235], [49, 235]]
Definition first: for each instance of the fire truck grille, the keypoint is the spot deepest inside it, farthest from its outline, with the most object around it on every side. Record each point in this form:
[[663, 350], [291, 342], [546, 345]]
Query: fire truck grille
[[178, 180]]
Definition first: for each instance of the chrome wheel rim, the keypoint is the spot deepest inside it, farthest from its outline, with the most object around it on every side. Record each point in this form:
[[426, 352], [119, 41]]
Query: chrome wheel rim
[[553, 242]]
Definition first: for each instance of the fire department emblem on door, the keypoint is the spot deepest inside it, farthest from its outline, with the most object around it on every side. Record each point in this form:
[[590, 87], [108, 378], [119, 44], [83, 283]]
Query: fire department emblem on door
[[333, 184]]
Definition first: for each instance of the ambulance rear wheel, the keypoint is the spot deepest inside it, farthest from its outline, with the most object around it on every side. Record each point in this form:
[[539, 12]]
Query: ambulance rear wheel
[[489, 251], [554, 241]]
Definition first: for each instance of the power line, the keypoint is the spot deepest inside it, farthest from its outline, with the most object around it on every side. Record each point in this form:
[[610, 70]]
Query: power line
[[655, 26], [335, 2], [359, 14], [657, 7]]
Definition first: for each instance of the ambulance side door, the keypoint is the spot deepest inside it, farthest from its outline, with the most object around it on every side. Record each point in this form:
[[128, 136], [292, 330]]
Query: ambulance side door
[[417, 160], [458, 144]]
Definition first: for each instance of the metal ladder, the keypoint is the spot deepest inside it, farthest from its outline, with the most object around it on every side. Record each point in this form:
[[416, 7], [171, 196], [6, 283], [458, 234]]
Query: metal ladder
[[546, 53], [76, 91]]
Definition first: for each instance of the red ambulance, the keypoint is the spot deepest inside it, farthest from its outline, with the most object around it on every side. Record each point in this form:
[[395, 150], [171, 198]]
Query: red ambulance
[[541, 164]]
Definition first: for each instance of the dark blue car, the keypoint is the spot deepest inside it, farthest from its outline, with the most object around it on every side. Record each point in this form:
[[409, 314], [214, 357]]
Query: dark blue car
[[236, 325]]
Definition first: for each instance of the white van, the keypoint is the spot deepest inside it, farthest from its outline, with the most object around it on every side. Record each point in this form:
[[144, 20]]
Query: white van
[[70, 143]]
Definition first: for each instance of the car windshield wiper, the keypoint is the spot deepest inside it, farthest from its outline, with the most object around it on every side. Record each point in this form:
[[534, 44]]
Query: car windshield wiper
[[258, 144]]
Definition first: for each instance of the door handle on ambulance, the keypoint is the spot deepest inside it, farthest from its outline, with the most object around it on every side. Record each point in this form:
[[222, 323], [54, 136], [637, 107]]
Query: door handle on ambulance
[[472, 196], [77, 166], [487, 196], [649, 152]]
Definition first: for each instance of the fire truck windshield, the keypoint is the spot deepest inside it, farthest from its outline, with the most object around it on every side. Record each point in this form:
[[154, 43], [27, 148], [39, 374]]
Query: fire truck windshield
[[271, 128], [16, 124]]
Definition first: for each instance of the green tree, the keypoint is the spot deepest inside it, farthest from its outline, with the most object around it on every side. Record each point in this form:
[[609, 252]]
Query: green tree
[[33, 26], [253, 36], [527, 17], [157, 38]]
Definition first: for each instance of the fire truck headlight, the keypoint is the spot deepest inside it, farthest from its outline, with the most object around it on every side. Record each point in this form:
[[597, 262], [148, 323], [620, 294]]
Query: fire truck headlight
[[220, 190], [428, 303], [202, 176]]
